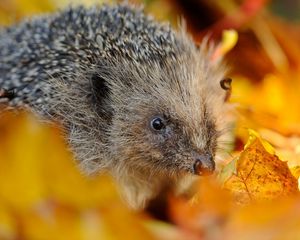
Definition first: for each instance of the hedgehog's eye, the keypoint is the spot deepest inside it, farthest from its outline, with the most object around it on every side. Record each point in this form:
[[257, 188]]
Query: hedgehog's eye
[[157, 124]]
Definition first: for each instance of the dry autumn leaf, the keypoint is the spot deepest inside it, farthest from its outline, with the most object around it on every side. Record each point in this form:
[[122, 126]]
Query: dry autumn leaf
[[256, 174], [216, 216], [260, 174]]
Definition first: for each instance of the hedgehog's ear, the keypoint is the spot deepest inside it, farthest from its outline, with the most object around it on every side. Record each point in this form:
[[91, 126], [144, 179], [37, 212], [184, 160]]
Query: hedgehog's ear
[[100, 95], [100, 89], [226, 85]]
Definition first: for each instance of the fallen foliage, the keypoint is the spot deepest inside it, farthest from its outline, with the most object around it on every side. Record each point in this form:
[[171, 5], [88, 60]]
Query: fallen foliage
[[44, 196], [258, 174], [254, 196]]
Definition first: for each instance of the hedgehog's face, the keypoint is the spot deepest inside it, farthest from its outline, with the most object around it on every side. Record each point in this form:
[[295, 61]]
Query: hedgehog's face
[[158, 138], [177, 146], [184, 134], [164, 116]]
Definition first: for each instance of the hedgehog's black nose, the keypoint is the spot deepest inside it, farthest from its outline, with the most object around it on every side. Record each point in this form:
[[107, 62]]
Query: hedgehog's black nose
[[204, 165]]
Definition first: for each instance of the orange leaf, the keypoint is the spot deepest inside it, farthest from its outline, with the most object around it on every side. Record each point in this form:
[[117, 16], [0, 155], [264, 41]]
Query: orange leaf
[[260, 175]]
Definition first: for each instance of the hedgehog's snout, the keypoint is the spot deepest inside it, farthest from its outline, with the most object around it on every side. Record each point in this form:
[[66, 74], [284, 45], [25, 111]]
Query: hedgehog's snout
[[204, 164]]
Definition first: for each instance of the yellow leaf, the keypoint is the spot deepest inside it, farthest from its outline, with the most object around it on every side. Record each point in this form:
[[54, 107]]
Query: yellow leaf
[[253, 136], [229, 40], [44, 196], [260, 175]]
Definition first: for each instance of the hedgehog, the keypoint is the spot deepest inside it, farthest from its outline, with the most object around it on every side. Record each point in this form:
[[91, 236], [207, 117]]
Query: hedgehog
[[136, 99]]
